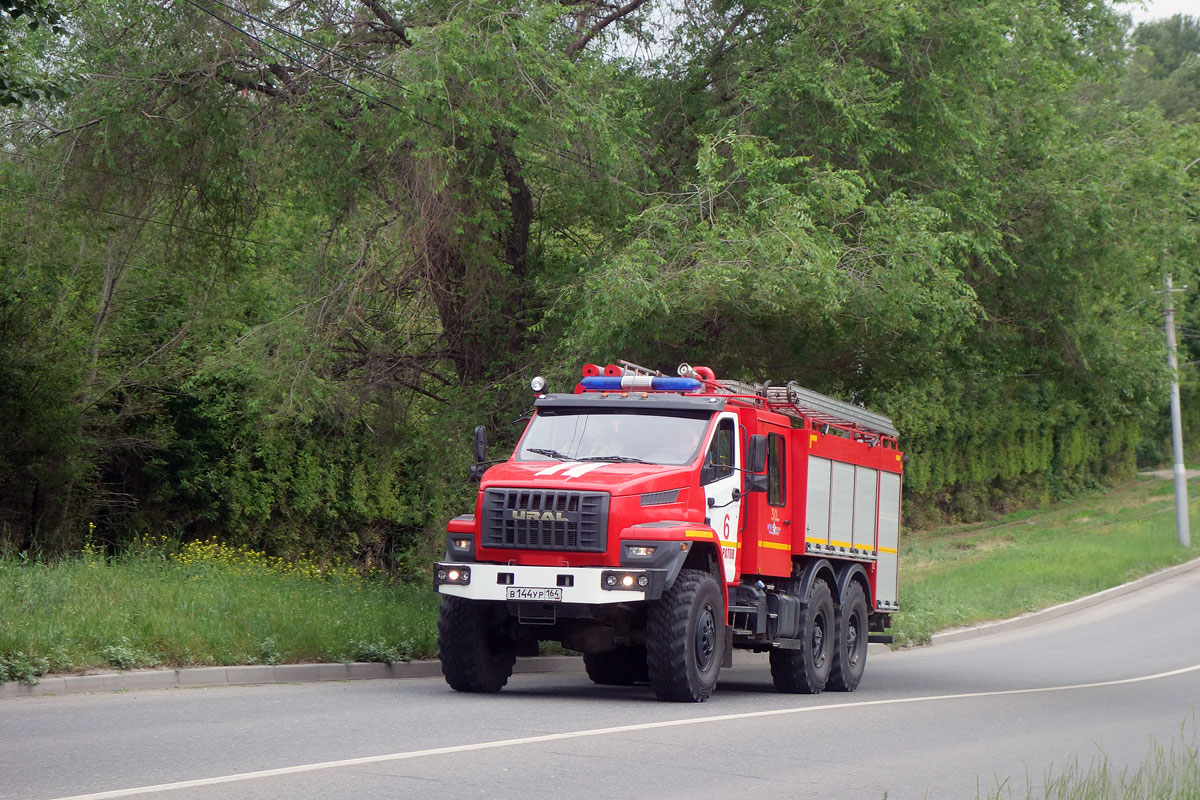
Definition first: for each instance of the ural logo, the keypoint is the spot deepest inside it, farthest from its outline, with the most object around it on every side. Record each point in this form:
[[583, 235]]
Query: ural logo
[[539, 516]]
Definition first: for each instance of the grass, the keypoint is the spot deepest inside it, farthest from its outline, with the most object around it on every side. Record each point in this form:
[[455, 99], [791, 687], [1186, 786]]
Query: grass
[[1030, 560], [207, 604], [1168, 773], [211, 604]]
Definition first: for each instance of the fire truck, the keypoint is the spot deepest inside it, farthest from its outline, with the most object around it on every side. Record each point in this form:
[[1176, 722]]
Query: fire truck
[[655, 522]]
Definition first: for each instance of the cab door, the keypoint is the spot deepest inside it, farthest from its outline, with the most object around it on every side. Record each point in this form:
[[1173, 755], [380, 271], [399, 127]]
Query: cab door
[[722, 484], [767, 540]]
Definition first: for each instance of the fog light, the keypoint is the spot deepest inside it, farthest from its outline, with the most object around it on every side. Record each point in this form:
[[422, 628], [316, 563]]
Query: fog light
[[610, 580], [446, 574], [643, 581]]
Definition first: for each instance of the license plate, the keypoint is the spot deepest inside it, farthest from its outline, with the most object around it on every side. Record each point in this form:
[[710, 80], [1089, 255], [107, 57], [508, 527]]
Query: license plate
[[543, 595]]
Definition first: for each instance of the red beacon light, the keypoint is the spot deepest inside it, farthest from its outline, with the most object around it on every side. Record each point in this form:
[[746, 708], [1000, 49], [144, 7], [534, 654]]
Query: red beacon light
[[628, 377]]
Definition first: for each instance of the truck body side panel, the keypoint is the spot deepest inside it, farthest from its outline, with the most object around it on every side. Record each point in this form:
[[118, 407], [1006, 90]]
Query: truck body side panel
[[866, 491], [841, 505], [889, 540], [816, 502]]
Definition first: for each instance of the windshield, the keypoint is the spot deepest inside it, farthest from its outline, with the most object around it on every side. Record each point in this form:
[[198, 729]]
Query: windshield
[[617, 437]]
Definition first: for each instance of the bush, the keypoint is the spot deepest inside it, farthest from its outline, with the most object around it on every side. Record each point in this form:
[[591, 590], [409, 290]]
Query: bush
[[21, 667], [126, 656]]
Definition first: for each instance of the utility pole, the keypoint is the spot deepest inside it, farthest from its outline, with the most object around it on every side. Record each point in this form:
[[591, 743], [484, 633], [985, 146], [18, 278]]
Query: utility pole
[[1181, 504]]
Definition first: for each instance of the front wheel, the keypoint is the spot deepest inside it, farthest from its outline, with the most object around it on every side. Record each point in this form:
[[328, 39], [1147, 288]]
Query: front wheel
[[806, 670], [685, 638], [475, 644]]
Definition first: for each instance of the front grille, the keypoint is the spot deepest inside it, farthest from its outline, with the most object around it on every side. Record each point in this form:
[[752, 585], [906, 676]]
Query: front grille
[[537, 519]]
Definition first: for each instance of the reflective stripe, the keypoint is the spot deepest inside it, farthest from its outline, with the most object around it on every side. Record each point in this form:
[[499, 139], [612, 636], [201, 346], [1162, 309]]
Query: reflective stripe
[[557, 467], [775, 545], [583, 469]]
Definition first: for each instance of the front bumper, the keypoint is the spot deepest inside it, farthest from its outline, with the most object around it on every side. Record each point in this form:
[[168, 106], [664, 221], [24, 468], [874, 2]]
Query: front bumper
[[583, 585]]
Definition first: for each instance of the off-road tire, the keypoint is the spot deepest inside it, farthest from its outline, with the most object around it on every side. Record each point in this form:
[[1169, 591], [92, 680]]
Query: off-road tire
[[622, 666], [685, 638], [475, 644], [806, 671], [850, 643]]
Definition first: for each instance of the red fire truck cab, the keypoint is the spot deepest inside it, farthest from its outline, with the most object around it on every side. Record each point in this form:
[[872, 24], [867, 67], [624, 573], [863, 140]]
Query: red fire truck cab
[[654, 523]]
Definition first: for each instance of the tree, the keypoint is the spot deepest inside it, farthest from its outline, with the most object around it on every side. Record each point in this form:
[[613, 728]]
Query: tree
[[19, 21], [1166, 66]]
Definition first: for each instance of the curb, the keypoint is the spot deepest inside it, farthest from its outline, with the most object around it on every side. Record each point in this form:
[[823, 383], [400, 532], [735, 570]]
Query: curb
[[1061, 610], [196, 677], [208, 677]]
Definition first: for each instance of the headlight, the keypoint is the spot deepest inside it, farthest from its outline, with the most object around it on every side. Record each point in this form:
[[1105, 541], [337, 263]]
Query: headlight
[[634, 581]]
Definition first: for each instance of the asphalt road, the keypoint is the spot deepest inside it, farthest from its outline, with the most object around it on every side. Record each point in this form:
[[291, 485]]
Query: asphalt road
[[953, 721]]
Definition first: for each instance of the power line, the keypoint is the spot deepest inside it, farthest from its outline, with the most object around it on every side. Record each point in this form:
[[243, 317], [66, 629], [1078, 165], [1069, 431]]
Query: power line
[[159, 270], [291, 57], [123, 176], [332, 53], [85, 207]]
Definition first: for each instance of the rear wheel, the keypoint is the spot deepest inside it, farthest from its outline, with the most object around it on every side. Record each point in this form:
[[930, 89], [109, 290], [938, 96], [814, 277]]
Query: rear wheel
[[623, 666], [475, 644], [685, 638], [850, 651], [806, 670]]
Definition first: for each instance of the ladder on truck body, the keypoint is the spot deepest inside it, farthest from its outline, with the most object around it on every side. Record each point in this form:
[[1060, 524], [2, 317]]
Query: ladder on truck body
[[795, 401]]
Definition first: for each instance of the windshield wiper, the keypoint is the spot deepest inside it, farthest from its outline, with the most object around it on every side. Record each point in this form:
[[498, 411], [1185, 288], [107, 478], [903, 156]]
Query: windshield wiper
[[615, 459], [552, 453]]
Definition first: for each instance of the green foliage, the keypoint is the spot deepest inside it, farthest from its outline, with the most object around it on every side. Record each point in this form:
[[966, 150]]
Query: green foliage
[[17, 666], [20, 48], [1169, 772], [239, 299], [375, 651], [1026, 561], [125, 656], [1166, 66], [203, 604]]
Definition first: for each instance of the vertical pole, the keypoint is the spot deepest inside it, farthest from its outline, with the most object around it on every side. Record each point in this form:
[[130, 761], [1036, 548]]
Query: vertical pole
[[1181, 504]]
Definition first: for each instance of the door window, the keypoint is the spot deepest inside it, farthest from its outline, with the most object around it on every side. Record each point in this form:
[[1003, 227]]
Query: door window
[[776, 477], [720, 451]]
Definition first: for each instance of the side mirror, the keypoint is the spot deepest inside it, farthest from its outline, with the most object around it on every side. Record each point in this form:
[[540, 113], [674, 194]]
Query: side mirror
[[476, 470], [708, 471], [756, 456], [757, 453], [480, 443]]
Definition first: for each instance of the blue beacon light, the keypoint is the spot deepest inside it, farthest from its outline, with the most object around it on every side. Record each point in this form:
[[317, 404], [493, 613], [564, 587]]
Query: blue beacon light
[[656, 383]]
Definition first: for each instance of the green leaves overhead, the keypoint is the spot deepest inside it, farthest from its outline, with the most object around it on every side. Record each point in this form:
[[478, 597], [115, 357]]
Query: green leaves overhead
[[266, 267]]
